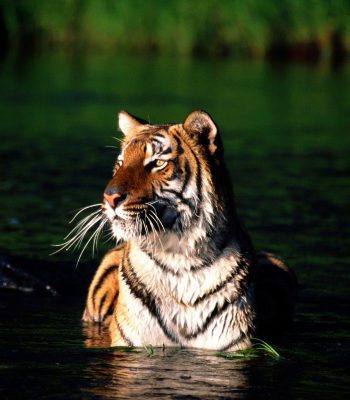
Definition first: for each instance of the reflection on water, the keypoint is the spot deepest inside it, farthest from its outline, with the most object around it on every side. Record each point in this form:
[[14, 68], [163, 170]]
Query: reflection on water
[[42, 343], [287, 146], [169, 372], [96, 336]]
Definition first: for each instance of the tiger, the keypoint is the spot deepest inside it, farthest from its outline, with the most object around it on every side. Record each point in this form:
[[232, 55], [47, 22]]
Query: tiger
[[184, 270]]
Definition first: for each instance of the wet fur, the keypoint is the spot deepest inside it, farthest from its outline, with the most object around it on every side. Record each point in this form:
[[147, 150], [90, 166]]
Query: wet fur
[[186, 271]]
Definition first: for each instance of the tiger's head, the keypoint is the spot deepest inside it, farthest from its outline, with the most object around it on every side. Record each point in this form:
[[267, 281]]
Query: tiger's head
[[167, 179]]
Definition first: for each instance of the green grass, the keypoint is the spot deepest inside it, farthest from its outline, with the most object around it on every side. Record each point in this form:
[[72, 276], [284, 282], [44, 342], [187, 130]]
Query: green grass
[[259, 349], [149, 350], [178, 26], [123, 349]]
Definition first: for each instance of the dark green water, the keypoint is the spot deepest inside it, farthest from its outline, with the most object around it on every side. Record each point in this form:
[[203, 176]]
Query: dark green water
[[287, 142]]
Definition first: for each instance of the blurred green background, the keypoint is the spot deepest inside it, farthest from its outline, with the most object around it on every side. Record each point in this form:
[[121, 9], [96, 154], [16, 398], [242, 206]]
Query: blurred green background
[[306, 29]]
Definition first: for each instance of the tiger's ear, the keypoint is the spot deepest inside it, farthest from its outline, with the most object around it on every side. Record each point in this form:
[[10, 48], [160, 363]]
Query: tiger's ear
[[201, 127], [129, 124]]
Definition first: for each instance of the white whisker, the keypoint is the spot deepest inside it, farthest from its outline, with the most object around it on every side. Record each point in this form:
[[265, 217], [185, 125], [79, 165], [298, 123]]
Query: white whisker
[[99, 230], [83, 209], [159, 222], [85, 246], [154, 230], [78, 236], [82, 222]]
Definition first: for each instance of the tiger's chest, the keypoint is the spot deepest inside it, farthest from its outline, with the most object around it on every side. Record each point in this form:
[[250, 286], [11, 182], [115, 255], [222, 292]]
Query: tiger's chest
[[202, 309]]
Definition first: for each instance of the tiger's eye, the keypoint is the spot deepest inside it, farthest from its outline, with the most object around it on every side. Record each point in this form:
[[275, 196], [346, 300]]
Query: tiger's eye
[[160, 163]]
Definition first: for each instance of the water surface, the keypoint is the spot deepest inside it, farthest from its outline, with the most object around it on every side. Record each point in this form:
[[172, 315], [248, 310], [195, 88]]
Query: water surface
[[286, 136]]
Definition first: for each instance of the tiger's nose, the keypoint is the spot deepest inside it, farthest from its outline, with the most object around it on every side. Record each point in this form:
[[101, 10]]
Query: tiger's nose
[[113, 196]]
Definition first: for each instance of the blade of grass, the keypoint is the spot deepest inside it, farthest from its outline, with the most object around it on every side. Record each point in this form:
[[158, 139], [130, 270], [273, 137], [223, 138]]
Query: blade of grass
[[259, 349]]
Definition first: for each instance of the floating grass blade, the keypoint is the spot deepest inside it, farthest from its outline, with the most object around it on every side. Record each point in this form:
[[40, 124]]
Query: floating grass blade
[[149, 349], [246, 354], [265, 347], [259, 349], [126, 349]]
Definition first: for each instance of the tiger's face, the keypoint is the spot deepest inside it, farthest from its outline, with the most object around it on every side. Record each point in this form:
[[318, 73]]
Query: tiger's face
[[162, 181]]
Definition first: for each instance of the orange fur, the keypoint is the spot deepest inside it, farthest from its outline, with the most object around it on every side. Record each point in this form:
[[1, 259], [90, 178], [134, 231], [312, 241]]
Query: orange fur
[[104, 288], [274, 283]]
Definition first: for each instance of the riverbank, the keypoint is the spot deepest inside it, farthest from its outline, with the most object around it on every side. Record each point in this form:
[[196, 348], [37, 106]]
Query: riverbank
[[293, 30]]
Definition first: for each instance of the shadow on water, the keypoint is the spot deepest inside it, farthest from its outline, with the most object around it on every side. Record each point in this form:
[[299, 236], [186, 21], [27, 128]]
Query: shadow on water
[[42, 343], [286, 140]]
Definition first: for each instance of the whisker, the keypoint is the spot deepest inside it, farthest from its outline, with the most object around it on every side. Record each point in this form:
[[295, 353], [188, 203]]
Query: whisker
[[81, 237], [107, 237], [83, 209], [159, 222], [99, 231], [155, 219], [82, 222], [152, 202], [146, 230], [138, 230], [85, 246], [154, 230], [78, 236], [147, 220]]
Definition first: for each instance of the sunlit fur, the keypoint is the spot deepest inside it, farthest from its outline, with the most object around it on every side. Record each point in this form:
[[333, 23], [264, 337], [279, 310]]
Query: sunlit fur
[[182, 272]]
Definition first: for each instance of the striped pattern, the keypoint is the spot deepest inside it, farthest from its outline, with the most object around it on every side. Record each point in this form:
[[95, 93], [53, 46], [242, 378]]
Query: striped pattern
[[201, 308], [183, 275], [104, 289]]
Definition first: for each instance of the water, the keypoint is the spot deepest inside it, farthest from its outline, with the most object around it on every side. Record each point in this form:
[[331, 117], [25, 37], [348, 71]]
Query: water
[[286, 139]]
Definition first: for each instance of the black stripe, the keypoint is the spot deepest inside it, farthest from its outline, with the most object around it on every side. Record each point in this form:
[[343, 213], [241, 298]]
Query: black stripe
[[180, 149], [178, 195], [147, 299], [234, 341], [160, 264], [111, 306], [224, 324], [188, 175], [216, 312], [217, 288], [189, 202], [101, 280], [175, 173], [166, 151], [207, 262], [154, 146], [102, 303], [157, 134], [199, 172], [156, 141], [199, 178], [122, 334], [240, 272]]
